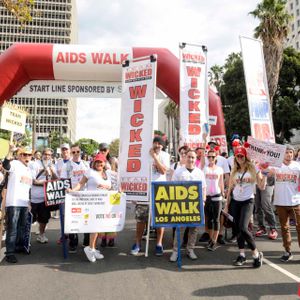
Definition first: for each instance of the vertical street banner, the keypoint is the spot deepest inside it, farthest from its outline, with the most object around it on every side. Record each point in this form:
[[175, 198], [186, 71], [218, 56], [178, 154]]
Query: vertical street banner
[[136, 132], [176, 203], [257, 90], [194, 114]]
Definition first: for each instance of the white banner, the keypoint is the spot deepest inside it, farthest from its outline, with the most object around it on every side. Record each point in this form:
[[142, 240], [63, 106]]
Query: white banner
[[94, 211], [267, 153], [13, 119], [67, 89], [193, 94], [138, 85], [257, 90]]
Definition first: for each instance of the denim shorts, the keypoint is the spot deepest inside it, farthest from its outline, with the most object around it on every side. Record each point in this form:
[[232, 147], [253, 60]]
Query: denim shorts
[[141, 213]]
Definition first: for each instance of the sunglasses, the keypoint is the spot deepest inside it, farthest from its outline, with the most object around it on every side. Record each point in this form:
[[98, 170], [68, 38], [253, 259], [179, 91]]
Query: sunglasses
[[210, 156], [240, 156], [64, 149], [26, 154], [99, 161], [74, 152], [103, 150]]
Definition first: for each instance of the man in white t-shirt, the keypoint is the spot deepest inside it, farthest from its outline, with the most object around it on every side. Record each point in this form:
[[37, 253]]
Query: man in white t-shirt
[[189, 173], [17, 200], [74, 169], [287, 198], [160, 166]]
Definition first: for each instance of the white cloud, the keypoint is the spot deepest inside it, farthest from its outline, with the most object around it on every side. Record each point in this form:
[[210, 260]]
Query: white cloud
[[143, 23]]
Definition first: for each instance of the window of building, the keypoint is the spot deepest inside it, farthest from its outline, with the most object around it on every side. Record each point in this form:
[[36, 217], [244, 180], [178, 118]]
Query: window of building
[[291, 6]]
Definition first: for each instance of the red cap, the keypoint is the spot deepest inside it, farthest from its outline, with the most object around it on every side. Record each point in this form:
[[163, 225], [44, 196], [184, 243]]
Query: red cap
[[98, 157], [240, 151]]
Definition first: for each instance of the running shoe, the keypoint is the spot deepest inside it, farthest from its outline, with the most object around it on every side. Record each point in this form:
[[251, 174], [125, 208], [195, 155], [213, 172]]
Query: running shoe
[[273, 234], [257, 262], [174, 256], [191, 254], [240, 261], [260, 232], [42, 238], [286, 256], [98, 254], [135, 249], [212, 247], [159, 250], [90, 254]]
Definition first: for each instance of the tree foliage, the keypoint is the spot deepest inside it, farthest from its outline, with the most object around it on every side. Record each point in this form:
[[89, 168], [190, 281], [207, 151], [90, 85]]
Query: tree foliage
[[114, 148], [88, 146]]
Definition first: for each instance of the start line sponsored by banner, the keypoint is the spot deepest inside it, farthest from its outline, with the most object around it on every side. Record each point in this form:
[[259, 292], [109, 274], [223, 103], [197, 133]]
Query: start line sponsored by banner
[[177, 203], [267, 153], [95, 211], [139, 85], [55, 191], [257, 90], [193, 95]]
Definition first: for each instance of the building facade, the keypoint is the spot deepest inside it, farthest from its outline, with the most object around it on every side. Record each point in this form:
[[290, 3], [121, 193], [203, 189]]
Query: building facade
[[293, 8], [55, 22]]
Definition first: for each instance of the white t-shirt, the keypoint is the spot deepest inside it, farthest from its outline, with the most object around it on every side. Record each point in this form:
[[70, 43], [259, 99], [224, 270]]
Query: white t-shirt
[[230, 161], [287, 184], [19, 184], [94, 179], [58, 167], [164, 158], [37, 191], [183, 174], [74, 170], [212, 177], [221, 162], [244, 188]]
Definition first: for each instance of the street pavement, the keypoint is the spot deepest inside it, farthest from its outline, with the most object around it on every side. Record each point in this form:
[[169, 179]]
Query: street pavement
[[45, 274]]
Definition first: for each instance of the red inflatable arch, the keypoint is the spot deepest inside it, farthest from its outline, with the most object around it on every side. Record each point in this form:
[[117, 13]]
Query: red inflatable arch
[[22, 63]]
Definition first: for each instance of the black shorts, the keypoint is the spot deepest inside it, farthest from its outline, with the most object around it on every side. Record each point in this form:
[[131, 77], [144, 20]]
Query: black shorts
[[40, 213]]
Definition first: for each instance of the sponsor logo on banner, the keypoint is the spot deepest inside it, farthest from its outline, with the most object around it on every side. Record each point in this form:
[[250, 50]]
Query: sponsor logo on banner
[[177, 204], [257, 90], [267, 153], [138, 85], [98, 211], [193, 95]]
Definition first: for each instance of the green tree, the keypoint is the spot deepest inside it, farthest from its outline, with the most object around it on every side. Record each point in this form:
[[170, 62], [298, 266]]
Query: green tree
[[273, 30], [55, 140], [88, 146], [172, 113], [21, 9], [114, 148], [215, 76]]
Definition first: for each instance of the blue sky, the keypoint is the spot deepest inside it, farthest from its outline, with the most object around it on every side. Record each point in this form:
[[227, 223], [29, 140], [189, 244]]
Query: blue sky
[[143, 23]]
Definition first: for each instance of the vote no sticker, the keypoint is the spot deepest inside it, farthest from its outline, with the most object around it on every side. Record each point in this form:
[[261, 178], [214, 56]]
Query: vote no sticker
[[115, 199]]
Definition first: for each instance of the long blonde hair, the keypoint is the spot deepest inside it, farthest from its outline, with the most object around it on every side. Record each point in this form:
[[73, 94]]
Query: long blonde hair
[[249, 167]]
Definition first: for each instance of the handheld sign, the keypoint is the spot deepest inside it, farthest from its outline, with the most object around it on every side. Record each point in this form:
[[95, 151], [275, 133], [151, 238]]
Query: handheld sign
[[55, 191], [177, 203]]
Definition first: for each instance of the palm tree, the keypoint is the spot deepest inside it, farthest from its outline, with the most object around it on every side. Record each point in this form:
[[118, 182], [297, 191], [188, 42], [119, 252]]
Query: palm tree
[[215, 76], [273, 30]]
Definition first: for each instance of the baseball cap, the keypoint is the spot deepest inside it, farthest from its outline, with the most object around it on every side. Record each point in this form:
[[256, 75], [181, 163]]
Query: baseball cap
[[66, 146], [98, 157], [103, 146], [240, 151], [25, 150], [290, 147], [214, 142]]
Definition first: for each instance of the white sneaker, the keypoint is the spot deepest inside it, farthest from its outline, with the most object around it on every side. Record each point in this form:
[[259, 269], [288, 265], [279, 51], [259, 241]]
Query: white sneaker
[[191, 254], [174, 256], [98, 254], [4, 236], [42, 239], [90, 254]]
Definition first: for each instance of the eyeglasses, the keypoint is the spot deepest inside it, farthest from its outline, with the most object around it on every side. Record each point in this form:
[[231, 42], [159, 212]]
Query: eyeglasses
[[74, 152], [26, 154], [210, 156], [240, 156], [64, 149]]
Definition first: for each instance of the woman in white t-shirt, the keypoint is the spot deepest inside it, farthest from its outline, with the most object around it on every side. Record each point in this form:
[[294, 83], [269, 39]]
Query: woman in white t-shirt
[[214, 196], [242, 182], [97, 178]]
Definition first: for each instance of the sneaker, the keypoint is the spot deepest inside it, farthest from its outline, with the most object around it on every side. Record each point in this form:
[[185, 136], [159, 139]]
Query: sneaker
[[103, 242], [42, 238], [90, 254], [174, 256], [111, 242], [292, 222], [11, 259], [135, 249], [257, 262], [4, 236], [98, 254], [159, 250], [273, 234], [260, 232], [191, 254], [204, 237], [286, 256], [73, 249], [212, 246], [233, 239], [240, 261], [220, 240]]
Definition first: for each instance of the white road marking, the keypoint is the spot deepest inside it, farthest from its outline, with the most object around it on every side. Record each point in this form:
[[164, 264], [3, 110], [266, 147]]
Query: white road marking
[[283, 271]]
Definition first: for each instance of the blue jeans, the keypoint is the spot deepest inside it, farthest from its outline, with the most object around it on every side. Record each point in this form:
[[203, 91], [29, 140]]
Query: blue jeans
[[16, 218]]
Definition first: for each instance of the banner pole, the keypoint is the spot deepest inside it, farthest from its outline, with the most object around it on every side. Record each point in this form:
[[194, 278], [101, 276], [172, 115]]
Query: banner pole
[[178, 247], [2, 216]]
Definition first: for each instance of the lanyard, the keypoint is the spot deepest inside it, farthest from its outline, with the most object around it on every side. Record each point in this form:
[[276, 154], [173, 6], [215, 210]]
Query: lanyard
[[241, 178]]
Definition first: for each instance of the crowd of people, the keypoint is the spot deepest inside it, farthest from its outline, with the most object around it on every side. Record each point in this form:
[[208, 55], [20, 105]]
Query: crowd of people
[[234, 185]]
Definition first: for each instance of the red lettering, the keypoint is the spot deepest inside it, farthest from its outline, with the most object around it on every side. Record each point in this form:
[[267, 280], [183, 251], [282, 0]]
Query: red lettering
[[194, 93], [134, 150], [193, 71], [60, 57], [193, 105], [194, 129], [194, 118], [137, 105], [97, 58], [107, 59], [137, 91], [136, 120], [135, 135], [133, 165], [124, 56], [82, 58], [194, 82]]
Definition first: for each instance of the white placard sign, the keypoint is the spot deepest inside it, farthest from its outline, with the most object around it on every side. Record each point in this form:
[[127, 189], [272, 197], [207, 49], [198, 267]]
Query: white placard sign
[[138, 84], [13, 119], [95, 211], [265, 152]]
